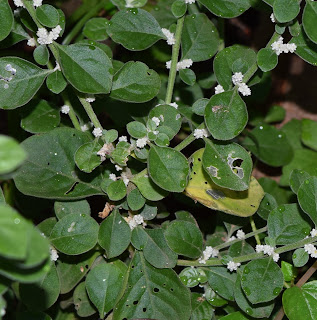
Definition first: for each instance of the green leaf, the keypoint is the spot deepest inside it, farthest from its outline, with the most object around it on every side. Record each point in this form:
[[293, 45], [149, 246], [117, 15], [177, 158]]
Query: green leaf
[[178, 8], [149, 211], [268, 203], [75, 234], [226, 115], [116, 190], [309, 17], [135, 29], [86, 157], [135, 82], [200, 38], [286, 10], [41, 295], [270, 145], [267, 59], [6, 18], [301, 303], [83, 305], [86, 67], [71, 269], [114, 235], [214, 299], [153, 293], [51, 158], [304, 160], [201, 309], [262, 280], [103, 284], [27, 80], [14, 231], [199, 106], [222, 281], [235, 316], [68, 207], [188, 76], [226, 8], [168, 168], [309, 132], [46, 226], [39, 116], [260, 310], [293, 131], [296, 179], [184, 238], [47, 15], [300, 257], [56, 82], [16, 35], [202, 189], [289, 271], [306, 49], [156, 250], [307, 197], [95, 29], [148, 188], [275, 114], [11, 154], [288, 224], [28, 315], [191, 277], [170, 120], [230, 60], [239, 249], [135, 200], [41, 55], [228, 165], [136, 129]]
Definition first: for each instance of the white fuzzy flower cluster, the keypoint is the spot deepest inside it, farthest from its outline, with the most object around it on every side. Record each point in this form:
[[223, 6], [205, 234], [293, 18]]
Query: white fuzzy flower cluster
[[125, 179], [280, 47], [242, 86], [129, 3], [313, 233], [54, 254], [231, 239], [219, 89], [57, 67], [311, 250], [156, 120], [31, 42], [65, 109], [90, 99], [174, 105], [233, 266], [123, 138], [141, 143], [84, 128], [97, 132], [240, 234], [18, 3], [207, 253], [200, 133], [184, 64], [45, 37], [190, 1], [118, 168], [112, 177], [37, 3], [135, 221], [169, 36], [272, 17], [266, 249]]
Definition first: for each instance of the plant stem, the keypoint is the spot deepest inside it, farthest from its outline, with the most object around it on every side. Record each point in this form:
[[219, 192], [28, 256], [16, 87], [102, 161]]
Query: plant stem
[[31, 10], [93, 12], [90, 112], [247, 257], [175, 53], [72, 114], [254, 229]]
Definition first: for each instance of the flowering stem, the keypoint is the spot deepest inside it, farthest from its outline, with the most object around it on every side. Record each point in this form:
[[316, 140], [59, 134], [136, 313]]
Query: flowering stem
[[71, 113], [248, 257], [90, 112], [175, 53], [254, 229], [93, 12]]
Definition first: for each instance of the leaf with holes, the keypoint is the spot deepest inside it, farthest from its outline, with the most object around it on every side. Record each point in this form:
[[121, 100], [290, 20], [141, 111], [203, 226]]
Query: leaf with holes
[[200, 38], [226, 115], [152, 293], [19, 85], [202, 189], [51, 159], [228, 165], [75, 234], [103, 284]]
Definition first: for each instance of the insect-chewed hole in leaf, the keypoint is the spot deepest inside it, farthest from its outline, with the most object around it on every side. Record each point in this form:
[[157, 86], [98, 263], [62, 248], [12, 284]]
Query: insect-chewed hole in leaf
[[199, 159], [144, 309], [213, 171], [194, 172], [132, 267], [172, 289], [72, 188], [156, 290], [235, 165], [216, 194], [135, 302]]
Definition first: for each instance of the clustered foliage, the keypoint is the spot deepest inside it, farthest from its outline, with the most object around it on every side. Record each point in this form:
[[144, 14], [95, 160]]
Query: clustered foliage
[[143, 116]]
